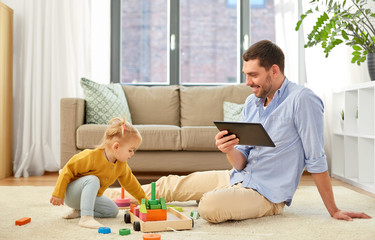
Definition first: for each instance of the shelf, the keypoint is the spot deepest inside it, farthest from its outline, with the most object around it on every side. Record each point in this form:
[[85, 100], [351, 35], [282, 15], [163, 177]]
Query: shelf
[[353, 139]]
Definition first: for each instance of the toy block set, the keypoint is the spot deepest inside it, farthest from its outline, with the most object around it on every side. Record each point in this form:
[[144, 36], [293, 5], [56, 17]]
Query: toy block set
[[151, 210], [154, 215]]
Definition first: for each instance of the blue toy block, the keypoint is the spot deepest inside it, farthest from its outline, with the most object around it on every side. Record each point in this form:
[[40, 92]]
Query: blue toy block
[[104, 230]]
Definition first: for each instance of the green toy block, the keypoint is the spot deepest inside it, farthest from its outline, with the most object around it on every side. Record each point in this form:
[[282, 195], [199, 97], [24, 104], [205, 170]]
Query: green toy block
[[155, 206], [194, 215], [153, 202], [143, 207], [177, 208], [162, 203], [153, 187]]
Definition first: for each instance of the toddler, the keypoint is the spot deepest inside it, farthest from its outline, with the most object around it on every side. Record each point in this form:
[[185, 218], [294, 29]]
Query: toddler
[[89, 173]]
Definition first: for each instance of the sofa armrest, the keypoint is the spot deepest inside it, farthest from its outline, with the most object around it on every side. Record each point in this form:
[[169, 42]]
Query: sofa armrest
[[72, 115]]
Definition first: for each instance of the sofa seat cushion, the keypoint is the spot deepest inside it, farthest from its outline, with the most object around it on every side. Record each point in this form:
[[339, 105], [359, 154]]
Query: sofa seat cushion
[[155, 137], [202, 105], [160, 137], [196, 138], [154, 105]]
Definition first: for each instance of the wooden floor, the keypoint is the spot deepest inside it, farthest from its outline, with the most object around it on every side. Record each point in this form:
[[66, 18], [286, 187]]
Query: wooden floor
[[49, 179]]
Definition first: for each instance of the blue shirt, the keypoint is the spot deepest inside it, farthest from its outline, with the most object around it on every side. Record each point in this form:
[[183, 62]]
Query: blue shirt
[[294, 121]]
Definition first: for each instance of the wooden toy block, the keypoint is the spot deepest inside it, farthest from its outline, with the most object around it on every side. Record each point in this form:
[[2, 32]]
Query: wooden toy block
[[153, 187], [104, 230], [123, 201], [136, 211], [153, 202], [143, 208], [132, 206], [194, 215], [124, 231], [156, 206], [23, 221], [152, 236], [143, 216], [162, 203], [156, 215], [177, 208]]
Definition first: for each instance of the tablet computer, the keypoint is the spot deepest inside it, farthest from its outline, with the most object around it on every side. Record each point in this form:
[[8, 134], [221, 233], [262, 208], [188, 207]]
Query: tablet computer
[[248, 133]]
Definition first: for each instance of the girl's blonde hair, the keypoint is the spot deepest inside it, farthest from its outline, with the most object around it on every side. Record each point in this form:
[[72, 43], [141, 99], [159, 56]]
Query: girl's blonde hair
[[119, 130]]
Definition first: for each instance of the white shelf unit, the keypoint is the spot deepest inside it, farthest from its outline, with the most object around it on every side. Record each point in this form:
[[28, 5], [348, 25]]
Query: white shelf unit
[[353, 140]]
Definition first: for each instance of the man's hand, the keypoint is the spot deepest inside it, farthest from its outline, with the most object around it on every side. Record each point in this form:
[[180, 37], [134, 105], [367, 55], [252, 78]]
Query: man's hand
[[56, 201], [227, 143], [348, 216]]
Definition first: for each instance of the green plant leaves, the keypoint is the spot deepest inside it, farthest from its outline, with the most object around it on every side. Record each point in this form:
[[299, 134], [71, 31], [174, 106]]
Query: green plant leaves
[[339, 22]]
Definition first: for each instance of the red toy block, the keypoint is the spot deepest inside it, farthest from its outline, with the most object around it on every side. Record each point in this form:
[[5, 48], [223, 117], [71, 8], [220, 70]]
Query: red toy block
[[23, 221], [142, 216], [136, 211], [132, 206]]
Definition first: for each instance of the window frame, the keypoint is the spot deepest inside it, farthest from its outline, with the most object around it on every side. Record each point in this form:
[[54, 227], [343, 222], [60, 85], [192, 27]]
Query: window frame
[[173, 73]]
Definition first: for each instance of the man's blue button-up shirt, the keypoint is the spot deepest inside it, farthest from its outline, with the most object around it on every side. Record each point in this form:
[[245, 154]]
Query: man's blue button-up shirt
[[294, 121]]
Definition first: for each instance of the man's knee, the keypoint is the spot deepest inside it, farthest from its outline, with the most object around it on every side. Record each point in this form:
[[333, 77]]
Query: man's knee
[[209, 210]]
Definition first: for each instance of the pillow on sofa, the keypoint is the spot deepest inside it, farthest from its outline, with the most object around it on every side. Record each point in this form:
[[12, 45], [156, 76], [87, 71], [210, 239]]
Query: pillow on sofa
[[232, 111], [104, 102]]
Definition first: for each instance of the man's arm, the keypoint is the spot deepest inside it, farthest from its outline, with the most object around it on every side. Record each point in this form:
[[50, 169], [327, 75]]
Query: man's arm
[[226, 145], [323, 183]]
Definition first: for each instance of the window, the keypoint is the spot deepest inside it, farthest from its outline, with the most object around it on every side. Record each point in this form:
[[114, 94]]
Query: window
[[189, 42]]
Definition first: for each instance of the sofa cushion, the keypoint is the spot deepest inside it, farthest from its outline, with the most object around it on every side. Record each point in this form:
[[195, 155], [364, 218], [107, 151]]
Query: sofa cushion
[[160, 137], [196, 138], [154, 105], [155, 137], [232, 111], [104, 102], [200, 106]]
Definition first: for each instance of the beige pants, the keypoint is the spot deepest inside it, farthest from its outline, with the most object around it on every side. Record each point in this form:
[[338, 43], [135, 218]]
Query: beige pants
[[219, 201]]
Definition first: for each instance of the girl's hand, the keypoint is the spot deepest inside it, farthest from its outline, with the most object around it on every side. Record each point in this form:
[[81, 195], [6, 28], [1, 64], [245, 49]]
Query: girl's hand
[[56, 201]]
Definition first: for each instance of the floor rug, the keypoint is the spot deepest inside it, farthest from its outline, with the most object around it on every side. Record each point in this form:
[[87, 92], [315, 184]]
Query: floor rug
[[307, 218]]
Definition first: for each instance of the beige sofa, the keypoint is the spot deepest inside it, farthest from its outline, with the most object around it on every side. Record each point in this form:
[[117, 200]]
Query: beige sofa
[[176, 123]]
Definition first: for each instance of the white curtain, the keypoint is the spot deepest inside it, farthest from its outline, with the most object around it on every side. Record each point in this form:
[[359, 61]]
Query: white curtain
[[286, 15], [51, 53]]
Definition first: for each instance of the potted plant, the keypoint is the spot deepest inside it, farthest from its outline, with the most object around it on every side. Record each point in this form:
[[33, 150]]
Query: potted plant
[[348, 22]]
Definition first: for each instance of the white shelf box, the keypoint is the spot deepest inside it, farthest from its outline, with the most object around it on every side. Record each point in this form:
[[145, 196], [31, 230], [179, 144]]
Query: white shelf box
[[351, 157], [351, 107], [338, 155], [366, 111], [337, 107], [366, 156]]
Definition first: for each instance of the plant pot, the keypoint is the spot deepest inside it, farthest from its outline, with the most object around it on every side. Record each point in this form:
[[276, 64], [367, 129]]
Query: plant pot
[[342, 125], [371, 65]]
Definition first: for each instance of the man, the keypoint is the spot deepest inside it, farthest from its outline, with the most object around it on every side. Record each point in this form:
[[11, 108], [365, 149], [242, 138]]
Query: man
[[263, 179]]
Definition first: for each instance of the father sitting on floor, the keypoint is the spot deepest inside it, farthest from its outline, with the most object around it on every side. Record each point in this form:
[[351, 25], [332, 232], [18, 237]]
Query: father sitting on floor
[[263, 179]]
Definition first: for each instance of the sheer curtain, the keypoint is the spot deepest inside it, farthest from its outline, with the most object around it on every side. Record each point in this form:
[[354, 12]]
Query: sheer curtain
[[51, 53]]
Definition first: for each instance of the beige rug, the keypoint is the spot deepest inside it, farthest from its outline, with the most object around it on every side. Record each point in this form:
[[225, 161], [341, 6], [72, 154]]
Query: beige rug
[[307, 218]]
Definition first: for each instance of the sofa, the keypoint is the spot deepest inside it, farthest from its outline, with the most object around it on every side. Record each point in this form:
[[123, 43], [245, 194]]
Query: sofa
[[176, 123]]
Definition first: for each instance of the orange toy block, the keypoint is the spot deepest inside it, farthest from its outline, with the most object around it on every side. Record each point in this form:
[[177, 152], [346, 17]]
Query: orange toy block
[[156, 214], [23, 221], [153, 236], [132, 206], [153, 215]]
